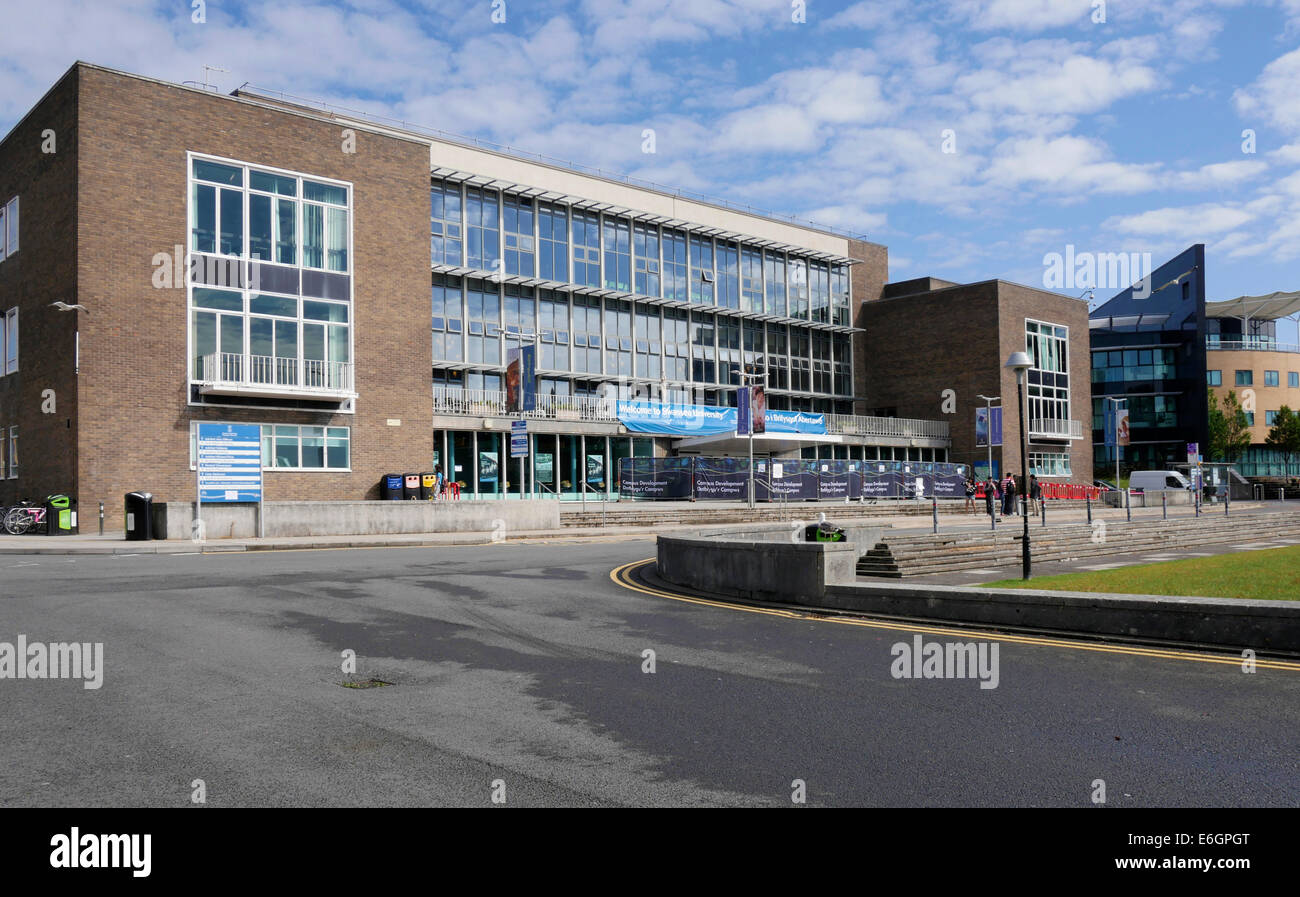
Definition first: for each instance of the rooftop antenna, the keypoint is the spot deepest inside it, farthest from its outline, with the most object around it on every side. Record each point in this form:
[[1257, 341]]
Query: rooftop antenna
[[212, 68]]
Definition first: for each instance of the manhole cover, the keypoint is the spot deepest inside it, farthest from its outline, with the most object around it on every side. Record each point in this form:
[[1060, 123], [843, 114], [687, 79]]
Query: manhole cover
[[365, 683]]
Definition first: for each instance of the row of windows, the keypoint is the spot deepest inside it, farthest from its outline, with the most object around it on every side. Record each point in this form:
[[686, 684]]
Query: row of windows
[[9, 342], [1144, 411], [553, 242], [1049, 378], [9, 453], [265, 338], [238, 210], [298, 448], [9, 229], [1049, 464], [670, 394], [479, 322], [1247, 378]]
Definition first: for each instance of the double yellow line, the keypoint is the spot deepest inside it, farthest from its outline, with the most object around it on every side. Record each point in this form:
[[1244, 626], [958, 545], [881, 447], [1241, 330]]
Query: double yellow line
[[623, 576]]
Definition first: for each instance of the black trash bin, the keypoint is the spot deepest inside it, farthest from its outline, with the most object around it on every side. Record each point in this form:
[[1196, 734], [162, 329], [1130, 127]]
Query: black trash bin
[[391, 487], [60, 515], [428, 486], [411, 486], [139, 516]]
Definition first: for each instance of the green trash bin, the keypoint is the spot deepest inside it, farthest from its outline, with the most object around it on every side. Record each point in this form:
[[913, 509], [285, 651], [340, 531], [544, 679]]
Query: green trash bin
[[60, 515]]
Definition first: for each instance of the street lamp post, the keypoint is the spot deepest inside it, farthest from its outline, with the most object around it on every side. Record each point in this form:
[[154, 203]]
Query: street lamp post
[[747, 377], [1021, 362]]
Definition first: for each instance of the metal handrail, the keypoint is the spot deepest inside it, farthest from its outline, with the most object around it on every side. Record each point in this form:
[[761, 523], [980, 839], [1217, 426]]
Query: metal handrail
[[1254, 345]]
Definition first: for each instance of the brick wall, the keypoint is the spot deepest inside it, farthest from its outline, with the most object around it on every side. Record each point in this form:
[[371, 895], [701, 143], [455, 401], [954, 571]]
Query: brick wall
[[134, 414], [867, 281], [43, 271]]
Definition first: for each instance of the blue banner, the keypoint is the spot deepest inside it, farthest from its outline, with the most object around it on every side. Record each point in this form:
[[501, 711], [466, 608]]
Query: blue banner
[[795, 422], [988, 422], [676, 420]]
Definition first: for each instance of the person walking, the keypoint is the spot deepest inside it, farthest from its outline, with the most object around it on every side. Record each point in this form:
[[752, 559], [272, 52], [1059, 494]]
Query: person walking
[[1008, 496], [990, 495], [1036, 494], [439, 485], [970, 494]]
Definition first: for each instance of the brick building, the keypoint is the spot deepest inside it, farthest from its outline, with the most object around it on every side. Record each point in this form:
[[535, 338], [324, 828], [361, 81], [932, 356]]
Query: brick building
[[251, 259], [934, 347]]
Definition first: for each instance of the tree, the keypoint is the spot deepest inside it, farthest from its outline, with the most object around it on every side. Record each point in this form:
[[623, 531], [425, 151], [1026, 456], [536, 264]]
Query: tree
[[1285, 434], [1218, 430], [1236, 431]]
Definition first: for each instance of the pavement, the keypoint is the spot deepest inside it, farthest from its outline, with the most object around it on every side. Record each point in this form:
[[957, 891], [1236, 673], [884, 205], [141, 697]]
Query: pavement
[[115, 543]]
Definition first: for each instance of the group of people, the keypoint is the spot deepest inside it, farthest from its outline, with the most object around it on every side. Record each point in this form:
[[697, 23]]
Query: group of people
[[1004, 492]]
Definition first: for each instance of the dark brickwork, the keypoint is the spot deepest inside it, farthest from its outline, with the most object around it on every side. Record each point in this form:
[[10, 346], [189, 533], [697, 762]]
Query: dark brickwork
[[95, 216], [43, 271], [867, 280], [958, 338]]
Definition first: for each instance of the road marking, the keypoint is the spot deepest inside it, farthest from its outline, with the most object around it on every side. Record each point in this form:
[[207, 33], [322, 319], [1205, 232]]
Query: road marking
[[621, 576]]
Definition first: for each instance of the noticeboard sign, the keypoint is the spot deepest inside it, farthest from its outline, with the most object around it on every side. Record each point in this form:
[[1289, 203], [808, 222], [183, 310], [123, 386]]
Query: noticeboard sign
[[230, 462]]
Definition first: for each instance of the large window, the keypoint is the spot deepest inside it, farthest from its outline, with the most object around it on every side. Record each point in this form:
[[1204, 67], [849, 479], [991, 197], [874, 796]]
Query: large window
[[798, 288], [519, 235], [1214, 378], [751, 279], [820, 290], [618, 254], [484, 238], [305, 448], [840, 295], [9, 342], [677, 352], [445, 223], [728, 275], [702, 274], [325, 226], [675, 261], [521, 317], [586, 334], [1271, 378], [586, 249], [1245, 378], [647, 342], [553, 330], [774, 274], [703, 366], [1049, 464], [1049, 378], [618, 337], [553, 250], [448, 316], [8, 231], [483, 304], [646, 246]]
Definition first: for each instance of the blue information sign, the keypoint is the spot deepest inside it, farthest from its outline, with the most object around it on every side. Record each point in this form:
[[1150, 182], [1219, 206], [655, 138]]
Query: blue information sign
[[519, 439], [230, 462]]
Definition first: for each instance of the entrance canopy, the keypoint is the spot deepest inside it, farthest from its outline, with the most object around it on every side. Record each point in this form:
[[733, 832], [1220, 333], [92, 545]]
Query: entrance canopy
[[1269, 307]]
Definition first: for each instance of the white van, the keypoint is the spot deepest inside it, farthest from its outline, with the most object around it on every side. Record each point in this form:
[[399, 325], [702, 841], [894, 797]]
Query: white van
[[1158, 480]]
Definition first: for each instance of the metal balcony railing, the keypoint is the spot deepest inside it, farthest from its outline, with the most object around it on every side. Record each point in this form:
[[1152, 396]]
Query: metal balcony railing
[[234, 372], [1250, 345], [492, 403], [1057, 429]]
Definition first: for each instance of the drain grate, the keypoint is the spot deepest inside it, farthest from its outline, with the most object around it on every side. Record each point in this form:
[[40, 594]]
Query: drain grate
[[365, 683]]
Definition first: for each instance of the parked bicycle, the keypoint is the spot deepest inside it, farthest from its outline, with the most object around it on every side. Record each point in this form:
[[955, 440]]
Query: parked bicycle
[[25, 518]]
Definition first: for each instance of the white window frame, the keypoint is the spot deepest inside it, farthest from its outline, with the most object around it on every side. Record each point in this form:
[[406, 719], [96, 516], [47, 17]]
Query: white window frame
[[12, 470], [11, 228], [10, 335], [248, 167]]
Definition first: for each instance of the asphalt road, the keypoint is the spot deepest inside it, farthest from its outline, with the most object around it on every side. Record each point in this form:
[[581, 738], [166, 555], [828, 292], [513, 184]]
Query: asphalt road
[[522, 664]]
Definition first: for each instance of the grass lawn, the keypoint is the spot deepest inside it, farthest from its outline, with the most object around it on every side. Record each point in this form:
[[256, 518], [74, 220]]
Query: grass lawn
[[1272, 573]]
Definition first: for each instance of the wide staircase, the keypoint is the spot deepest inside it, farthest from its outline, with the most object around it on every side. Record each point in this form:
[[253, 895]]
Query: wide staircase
[[685, 513], [916, 554]]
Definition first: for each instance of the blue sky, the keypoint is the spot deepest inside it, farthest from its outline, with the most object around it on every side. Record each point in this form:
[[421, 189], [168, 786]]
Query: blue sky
[[1122, 135]]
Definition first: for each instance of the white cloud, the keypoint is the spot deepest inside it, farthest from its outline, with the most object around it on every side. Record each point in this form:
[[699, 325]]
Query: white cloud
[[1067, 164], [1034, 79], [1023, 15], [1273, 95], [1187, 222]]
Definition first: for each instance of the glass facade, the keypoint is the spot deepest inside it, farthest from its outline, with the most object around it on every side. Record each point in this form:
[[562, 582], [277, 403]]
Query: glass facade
[[627, 337]]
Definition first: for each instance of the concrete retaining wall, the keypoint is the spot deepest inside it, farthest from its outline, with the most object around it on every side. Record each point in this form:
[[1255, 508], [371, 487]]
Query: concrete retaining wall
[[173, 520], [771, 571], [862, 535], [823, 576]]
